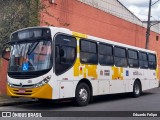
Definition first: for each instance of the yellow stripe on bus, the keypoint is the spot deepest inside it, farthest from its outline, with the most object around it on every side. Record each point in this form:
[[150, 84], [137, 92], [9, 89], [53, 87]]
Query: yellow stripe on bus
[[85, 71], [76, 34], [117, 73]]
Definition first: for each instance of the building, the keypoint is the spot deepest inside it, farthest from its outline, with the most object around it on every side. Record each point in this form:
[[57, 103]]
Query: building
[[103, 18], [107, 19]]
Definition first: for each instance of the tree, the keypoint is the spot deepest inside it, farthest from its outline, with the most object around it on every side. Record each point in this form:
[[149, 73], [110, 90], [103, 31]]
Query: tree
[[17, 14]]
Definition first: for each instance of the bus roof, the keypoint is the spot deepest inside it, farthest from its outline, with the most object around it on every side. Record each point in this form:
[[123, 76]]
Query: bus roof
[[68, 31]]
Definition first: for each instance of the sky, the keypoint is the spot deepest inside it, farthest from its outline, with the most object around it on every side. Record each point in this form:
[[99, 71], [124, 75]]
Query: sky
[[140, 8]]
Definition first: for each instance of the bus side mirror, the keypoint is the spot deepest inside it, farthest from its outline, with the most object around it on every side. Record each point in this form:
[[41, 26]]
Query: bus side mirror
[[6, 53]]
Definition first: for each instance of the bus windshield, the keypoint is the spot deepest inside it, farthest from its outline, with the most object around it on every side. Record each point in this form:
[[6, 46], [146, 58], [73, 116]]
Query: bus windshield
[[30, 56]]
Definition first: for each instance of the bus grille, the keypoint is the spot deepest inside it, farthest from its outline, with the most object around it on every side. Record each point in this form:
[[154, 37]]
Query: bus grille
[[23, 76], [24, 86], [27, 92]]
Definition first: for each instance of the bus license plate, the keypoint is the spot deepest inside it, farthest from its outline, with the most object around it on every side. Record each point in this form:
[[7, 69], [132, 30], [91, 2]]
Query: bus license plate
[[21, 91]]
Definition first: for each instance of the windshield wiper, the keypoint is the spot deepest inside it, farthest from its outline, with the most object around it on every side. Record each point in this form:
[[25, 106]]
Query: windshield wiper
[[32, 47]]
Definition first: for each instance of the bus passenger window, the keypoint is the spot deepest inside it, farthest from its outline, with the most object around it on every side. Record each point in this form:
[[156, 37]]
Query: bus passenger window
[[143, 61], [105, 54], [88, 52], [120, 57], [133, 58], [152, 61]]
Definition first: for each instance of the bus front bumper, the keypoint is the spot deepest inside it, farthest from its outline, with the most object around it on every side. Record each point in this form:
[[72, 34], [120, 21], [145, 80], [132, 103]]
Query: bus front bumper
[[44, 92]]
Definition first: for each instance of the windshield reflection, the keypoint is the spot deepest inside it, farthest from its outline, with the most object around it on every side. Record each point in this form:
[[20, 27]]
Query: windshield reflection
[[33, 56]]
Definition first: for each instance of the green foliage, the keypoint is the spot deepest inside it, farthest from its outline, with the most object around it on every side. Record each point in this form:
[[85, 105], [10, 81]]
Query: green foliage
[[0, 63], [17, 14]]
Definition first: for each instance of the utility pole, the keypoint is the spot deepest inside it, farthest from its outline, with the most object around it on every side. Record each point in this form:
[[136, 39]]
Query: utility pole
[[148, 25]]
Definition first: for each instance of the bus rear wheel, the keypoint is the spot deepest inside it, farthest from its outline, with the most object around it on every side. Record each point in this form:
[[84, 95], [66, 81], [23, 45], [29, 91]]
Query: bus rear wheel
[[82, 96], [137, 89]]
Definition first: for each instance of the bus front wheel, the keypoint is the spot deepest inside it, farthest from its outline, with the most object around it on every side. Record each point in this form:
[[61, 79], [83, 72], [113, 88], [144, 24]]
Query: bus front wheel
[[137, 89], [82, 96]]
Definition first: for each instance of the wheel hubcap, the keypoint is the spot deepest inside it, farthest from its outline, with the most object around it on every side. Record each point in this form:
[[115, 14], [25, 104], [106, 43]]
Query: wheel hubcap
[[137, 89], [83, 95]]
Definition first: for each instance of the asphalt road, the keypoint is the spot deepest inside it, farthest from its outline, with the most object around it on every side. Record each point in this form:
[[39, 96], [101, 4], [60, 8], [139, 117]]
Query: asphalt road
[[148, 101]]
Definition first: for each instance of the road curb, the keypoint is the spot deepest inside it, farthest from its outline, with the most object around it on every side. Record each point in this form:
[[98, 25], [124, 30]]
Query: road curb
[[16, 103], [11, 101]]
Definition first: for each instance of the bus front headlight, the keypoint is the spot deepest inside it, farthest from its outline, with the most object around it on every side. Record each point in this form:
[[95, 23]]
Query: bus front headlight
[[9, 84], [43, 82]]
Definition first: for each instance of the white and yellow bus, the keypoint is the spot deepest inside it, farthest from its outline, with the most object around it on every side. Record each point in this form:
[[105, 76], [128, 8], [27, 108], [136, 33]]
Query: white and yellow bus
[[57, 63]]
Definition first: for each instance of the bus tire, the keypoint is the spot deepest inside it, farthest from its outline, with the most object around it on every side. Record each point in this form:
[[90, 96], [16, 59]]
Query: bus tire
[[83, 94], [137, 89]]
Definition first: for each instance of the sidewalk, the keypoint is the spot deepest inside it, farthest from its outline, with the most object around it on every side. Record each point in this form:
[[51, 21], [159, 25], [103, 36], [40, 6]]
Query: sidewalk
[[9, 101]]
